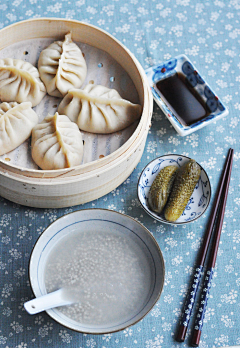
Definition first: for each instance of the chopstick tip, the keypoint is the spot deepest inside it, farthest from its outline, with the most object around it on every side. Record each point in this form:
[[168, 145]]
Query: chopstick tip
[[181, 334], [196, 338]]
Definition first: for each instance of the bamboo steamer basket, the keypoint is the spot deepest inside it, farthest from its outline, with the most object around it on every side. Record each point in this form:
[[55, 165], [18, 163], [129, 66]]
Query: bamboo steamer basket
[[84, 183]]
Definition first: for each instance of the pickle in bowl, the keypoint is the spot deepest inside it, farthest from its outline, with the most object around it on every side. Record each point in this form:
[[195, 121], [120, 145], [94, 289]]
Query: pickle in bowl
[[182, 189], [152, 194], [160, 188]]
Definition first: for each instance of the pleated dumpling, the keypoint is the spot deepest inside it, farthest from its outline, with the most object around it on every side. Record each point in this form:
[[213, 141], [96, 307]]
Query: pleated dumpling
[[62, 67], [20, 82], [98, 109], [16, 124], [57, 143]]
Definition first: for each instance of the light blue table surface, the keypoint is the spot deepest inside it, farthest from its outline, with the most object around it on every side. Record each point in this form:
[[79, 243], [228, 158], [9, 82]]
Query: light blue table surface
[[209, 34]]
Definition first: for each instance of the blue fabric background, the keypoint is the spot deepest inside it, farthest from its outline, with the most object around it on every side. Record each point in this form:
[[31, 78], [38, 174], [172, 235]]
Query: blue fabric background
[[209, 34]]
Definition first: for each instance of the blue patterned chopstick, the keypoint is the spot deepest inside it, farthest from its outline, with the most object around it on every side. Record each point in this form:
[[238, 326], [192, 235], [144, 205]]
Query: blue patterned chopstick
[[203, 299], [211, 263], [202, 256]]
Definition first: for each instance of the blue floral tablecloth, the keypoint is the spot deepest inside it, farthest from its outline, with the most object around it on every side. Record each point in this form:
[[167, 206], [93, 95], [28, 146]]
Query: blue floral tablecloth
[[209, 34]]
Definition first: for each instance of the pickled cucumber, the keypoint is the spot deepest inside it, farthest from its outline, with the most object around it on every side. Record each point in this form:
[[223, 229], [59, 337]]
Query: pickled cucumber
[[161, 188], [182, 189]]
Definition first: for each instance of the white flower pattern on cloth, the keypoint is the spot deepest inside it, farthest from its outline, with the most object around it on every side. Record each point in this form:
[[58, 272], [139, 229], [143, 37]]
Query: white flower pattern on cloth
[[208, 32]]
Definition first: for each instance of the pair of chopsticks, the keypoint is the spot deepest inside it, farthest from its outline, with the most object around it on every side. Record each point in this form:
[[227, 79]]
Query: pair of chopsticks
[[219, 207]]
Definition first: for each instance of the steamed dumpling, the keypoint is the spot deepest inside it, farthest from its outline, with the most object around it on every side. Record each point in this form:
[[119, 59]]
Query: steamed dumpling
[[20, 82], [16, 124], [98, 109], [57, 143], [62, 67]]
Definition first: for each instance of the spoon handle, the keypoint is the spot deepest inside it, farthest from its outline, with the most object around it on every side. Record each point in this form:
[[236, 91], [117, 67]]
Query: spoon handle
[[42, 303]]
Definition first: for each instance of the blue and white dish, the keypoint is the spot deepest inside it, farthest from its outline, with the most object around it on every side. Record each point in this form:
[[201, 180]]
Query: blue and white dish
[[110, 222], [198, 202], [181, 64]]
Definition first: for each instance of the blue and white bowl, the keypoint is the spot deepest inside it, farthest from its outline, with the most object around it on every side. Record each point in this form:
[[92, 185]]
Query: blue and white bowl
[[198, 202], [183, 65]]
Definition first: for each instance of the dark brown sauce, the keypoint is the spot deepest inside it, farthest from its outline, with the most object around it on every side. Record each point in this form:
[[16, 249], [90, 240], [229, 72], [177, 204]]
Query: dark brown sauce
[[182, 99]]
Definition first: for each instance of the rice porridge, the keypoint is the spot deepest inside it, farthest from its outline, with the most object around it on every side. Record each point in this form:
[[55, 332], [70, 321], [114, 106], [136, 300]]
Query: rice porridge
[[109, 274]]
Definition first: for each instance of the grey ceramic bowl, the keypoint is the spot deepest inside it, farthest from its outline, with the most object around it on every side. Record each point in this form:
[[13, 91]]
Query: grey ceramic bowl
[[104, 221]]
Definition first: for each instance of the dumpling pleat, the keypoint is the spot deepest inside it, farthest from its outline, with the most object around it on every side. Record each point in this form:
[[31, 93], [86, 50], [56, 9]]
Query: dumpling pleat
[[16, 123], [20, 82], [62, 67], [7, 79], [98, 109], [57, 143]]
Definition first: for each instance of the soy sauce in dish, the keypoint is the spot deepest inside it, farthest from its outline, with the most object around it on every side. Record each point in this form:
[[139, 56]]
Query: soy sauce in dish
[[182, 99]]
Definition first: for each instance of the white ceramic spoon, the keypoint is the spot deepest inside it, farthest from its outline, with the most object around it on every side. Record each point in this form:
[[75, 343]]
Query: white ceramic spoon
[[61, 297]]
